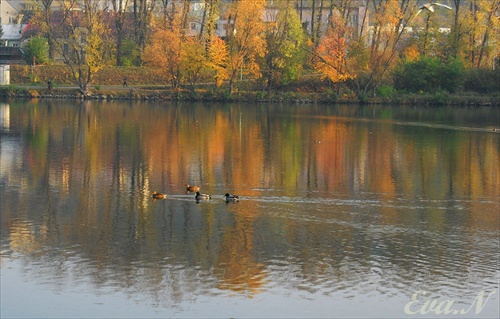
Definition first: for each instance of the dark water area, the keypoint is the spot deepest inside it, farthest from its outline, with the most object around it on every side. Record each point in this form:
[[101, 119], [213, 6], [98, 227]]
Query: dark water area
[[344, 211]]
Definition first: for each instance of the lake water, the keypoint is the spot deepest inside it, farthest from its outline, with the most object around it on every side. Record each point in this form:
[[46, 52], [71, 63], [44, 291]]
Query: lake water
[[344, 211]]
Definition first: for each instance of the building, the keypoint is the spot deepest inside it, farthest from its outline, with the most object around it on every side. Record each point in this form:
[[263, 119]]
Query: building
[[10, 44], [12, 30], [11, 10]]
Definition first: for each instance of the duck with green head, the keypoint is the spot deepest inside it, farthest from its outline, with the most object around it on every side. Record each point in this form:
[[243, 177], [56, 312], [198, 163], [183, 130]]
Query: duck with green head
[[231, 198], [200, 196]]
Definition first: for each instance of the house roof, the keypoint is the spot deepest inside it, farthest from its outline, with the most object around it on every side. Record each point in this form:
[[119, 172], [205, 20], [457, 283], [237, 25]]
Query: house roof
[[12, 31]]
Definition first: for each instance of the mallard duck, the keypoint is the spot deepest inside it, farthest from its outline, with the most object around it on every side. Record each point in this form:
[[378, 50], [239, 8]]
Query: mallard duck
[[156, 195], [199, 196], [231, 198], [192, 188]]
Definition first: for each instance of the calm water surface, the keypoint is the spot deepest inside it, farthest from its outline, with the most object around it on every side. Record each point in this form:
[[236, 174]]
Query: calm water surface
[[345, 211]]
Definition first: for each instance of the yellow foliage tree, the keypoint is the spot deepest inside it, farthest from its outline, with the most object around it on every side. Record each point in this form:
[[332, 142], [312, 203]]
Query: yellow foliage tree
[[81, 41], [411, 53], [390, 19], [246, 39], [480, 23], [218, 56], [193, 60]]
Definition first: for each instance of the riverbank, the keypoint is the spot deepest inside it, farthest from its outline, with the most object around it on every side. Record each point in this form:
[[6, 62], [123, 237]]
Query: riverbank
[[158, 93], [143, 84]]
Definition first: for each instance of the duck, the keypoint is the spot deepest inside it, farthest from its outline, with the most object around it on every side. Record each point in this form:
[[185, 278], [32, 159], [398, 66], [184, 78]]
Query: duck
[[199, 196], [191, 188], [156, 195], [231, 198]]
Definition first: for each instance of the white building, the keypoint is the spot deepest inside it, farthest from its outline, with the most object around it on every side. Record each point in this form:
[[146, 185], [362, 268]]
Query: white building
[[10, 11], [12, 34]]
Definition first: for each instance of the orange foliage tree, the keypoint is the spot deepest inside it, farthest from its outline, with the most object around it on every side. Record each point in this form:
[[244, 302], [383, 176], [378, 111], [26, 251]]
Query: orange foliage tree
[[331, 54], [164, 52]]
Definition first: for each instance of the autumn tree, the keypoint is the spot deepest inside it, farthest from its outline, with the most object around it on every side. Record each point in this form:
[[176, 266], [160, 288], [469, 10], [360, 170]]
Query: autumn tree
[[43, 19], [316, 19], [331, 57], [164, 51], [143, 14], [168, 12], [193, 60], [246, 40], [480, 19], [286, 43], [218, 57], [169, 46], [120, 13], [209, 19], [391, 18], [473, 36], [81, 41]]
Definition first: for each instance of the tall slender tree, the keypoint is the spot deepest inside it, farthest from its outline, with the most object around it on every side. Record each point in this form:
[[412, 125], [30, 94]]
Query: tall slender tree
[[286, 43], [168, 44], [120, 14], [331, 55], [246, 39], [143, 14], [81, 41], [481, 19], [44, 19], [209, 22], [218, 57], [391, 17]]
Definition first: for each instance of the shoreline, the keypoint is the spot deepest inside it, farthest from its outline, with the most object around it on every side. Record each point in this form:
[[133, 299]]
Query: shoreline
[[152, 93]]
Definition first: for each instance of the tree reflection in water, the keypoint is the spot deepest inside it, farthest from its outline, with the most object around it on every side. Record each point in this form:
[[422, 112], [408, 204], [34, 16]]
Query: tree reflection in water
[[379, 204]]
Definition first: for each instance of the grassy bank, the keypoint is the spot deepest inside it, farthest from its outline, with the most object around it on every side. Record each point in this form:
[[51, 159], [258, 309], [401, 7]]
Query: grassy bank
[[149, 84], [145, 93]]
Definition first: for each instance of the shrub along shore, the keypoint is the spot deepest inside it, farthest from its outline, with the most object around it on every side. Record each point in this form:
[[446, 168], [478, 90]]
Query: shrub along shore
[[149, 84]]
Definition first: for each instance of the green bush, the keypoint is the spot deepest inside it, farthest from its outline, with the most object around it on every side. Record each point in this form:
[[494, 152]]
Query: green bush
[[440, 98], [482, 80], [451, 75], [429, 75], [386, 91], [36, 51]]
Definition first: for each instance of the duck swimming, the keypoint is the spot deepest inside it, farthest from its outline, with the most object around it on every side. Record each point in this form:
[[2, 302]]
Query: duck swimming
[[199, 196], [156, 195], [191, 188], [231, 198]]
